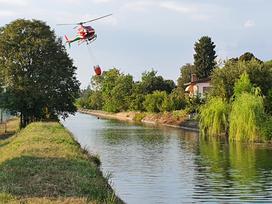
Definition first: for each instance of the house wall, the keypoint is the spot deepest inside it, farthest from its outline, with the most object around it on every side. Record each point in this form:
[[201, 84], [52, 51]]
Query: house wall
[[200, 87]]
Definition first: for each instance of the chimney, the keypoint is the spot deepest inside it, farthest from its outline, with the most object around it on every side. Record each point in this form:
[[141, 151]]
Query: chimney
[[193, 77]]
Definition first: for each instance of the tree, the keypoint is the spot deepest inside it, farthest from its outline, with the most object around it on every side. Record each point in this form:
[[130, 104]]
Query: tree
[[108, 82], [223, 79], [214, 117], [185, 74], [137, 98], [243, 85], [37, 72], [248, 56], [121, 93], [151, 82], [204, 57]]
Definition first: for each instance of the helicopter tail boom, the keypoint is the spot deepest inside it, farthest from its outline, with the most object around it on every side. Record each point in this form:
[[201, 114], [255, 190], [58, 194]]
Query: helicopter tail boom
[[67, 41]]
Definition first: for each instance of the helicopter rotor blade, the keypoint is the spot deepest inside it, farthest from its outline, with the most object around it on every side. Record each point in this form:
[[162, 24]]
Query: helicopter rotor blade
[[81, 23], [64, 24], [95, 19]]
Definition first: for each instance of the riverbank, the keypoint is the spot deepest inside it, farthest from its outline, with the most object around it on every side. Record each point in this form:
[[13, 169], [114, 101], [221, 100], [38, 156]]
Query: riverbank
[[165, 119], [44, 164]]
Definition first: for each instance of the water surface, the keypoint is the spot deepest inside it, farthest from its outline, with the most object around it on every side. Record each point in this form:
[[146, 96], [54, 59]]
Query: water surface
[[166, 165]]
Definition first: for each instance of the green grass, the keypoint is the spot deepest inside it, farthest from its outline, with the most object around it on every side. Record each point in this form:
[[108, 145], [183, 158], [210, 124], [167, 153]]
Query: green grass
[[139, 116], [43, 164]]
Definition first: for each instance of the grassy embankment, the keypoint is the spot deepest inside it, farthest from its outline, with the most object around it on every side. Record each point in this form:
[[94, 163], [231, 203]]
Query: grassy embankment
[[43, 164]]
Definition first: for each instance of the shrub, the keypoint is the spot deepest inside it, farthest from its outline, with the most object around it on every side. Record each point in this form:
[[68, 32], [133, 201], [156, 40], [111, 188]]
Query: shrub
[[179, 114], [153, 102], [139, 116]]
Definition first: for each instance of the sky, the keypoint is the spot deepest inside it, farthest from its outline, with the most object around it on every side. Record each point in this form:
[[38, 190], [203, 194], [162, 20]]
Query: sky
[[152, 34]]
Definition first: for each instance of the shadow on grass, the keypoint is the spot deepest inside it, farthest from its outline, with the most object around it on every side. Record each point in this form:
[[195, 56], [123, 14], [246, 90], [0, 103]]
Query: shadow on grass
[[3, 144], [7, 135], [28, 177]]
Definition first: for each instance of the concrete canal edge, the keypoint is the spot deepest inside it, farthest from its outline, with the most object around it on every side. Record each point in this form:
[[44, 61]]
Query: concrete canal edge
[[190, 125]]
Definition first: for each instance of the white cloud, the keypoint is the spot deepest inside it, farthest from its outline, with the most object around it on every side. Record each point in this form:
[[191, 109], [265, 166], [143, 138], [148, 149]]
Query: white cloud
[[6, 13], [249, 24], [181, 8], [138, 6], [101, 1], [14, 2]]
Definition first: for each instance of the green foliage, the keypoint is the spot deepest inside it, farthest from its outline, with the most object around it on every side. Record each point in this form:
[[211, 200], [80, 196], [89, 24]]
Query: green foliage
[[185, 75], [204, 57], [153, 102], [242, 85], [180, 114], [246, 118], [139, 116], [121, 92], [223, 79], [174, 101], [178, 99], [268, 102], [193, 104], [151, 82], [136, 102], [115, 92], [37, 72], [214, 116], [95, 101], [248, 56], [108, 83], [266, 127]]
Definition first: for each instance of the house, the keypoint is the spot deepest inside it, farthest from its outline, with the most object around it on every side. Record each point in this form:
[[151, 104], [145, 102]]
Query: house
[[198, 87]]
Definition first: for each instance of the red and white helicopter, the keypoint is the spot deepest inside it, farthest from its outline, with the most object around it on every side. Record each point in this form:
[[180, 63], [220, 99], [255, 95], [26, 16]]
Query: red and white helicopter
[[84, 33]]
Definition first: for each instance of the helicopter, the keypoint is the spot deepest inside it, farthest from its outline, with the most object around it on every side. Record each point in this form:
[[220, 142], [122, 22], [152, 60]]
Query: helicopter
[[84, 33]]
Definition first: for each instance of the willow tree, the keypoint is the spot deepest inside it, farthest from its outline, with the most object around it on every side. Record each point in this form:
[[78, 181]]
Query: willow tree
[[37, 72], [247, 113], [246, 118], [214, 117]]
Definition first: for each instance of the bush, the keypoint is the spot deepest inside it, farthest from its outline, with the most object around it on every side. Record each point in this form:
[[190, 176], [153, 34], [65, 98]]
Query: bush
[[153, 102], [139, 116], [179, 114]]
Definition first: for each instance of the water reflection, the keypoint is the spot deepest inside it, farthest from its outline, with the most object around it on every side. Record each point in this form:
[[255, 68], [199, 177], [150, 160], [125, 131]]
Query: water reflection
[[166, 165], [233, 172]]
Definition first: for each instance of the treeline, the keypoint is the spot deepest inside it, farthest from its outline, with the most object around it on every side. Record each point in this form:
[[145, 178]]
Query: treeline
[[114, 91]]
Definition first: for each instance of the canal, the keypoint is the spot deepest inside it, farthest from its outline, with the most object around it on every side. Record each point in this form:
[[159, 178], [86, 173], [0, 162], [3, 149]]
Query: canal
[[147, 164]]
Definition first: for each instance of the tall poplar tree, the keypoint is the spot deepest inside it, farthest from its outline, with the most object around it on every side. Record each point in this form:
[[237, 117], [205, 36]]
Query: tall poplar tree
[[204, 57]]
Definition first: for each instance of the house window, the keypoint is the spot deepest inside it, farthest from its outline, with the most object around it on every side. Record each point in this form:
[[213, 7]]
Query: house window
[[206, 89]]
